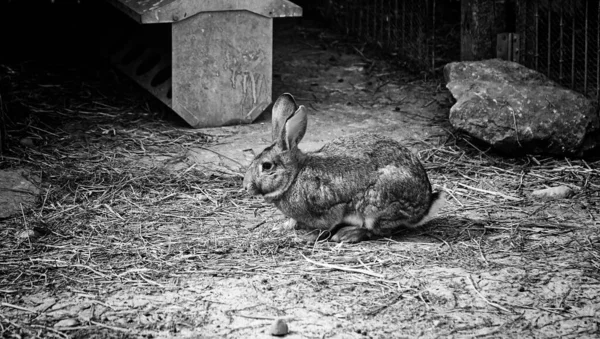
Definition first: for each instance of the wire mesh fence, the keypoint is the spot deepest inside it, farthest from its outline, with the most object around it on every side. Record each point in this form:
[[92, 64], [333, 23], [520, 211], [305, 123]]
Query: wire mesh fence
[[561, 39], [418, 30]]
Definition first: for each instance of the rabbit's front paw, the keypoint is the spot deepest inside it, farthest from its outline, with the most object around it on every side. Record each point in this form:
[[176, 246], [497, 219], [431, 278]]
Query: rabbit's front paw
[[290, 224], [351, 234], [313, 236]]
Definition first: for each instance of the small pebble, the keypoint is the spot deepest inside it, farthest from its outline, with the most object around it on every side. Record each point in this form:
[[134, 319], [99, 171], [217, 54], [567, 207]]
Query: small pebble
[[27, 142], [201, 197], [33, 234], [67, 323], [279, 328], [29, 234]]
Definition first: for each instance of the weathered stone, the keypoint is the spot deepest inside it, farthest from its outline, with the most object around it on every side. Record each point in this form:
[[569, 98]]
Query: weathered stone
[[518, 110], [15, 191], [279, 328]]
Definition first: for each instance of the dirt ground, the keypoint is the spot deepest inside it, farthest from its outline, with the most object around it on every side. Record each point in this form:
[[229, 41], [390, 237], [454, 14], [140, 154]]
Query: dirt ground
[[143, 230]]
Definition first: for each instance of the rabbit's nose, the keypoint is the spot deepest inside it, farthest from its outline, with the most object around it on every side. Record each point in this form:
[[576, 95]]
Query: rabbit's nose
[[250, 188]]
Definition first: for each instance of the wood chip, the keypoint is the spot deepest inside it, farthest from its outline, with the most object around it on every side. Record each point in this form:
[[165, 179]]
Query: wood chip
[[552, 193]]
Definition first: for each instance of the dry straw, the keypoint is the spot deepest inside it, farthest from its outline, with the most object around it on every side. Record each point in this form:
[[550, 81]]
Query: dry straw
[[124, 206]]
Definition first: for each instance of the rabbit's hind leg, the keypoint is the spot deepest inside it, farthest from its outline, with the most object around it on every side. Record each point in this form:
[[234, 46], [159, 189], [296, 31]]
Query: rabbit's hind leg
[[386, 227]]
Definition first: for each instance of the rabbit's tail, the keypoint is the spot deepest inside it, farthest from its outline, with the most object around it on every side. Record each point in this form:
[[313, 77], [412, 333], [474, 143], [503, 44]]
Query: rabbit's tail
[[438, 199]]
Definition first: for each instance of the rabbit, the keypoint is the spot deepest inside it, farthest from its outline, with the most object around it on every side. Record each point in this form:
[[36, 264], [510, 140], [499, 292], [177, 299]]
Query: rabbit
[[355, 187]]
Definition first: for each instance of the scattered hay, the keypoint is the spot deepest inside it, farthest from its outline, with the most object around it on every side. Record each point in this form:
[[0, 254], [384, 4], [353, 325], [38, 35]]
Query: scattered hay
[[125, 210]]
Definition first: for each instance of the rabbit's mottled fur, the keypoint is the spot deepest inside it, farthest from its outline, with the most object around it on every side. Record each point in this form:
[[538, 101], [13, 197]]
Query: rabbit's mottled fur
[[354, 187]]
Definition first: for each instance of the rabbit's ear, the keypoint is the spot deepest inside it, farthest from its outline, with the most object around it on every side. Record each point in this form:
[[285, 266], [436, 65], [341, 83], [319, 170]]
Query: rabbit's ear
[[283, 108], [294, 129]]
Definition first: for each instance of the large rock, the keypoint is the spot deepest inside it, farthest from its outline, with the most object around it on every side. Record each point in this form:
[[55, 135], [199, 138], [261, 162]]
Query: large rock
[[518, 110]]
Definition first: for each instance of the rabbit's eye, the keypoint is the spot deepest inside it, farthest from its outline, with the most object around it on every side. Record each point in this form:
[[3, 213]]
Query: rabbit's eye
[[266, 166]]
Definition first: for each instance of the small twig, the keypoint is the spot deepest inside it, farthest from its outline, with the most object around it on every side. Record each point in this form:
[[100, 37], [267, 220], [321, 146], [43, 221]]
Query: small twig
[[452, 195], [361, 54], [150, 281], [365, 266], [20, 308], [381, 86], [381, 308], [50, 329], [493, 304], [256, 225], [442, 240], [512, 111], [89, 268], [429, 103], [347, 269], [221, 155], [187, 170], [481, 252], [257, 317], [420, 295], [490, 192], [111, 327], [113, 212]]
